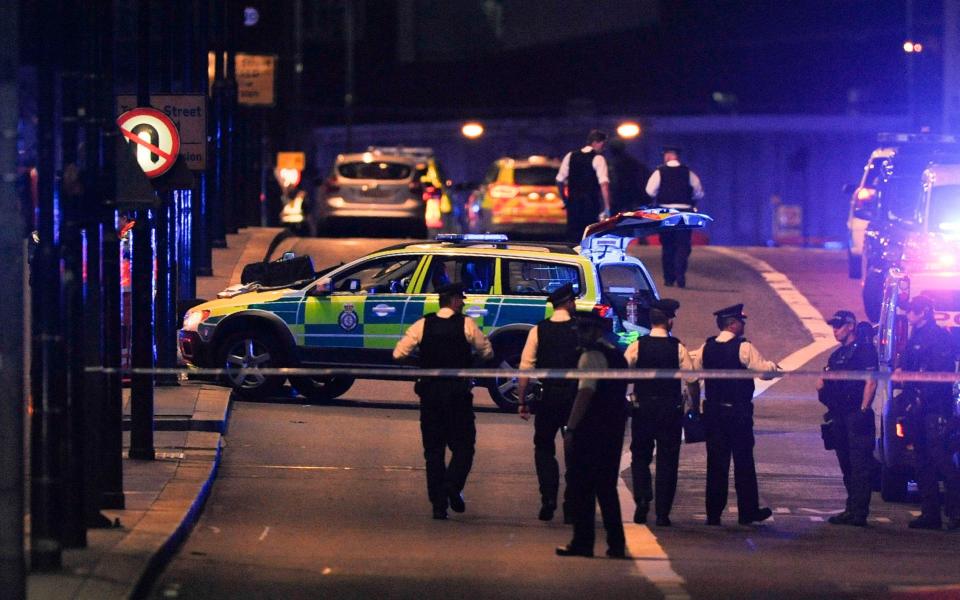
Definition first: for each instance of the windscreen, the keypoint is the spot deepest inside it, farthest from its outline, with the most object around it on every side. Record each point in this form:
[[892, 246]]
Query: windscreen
[[945, 209], [374, 170], [535, 176]]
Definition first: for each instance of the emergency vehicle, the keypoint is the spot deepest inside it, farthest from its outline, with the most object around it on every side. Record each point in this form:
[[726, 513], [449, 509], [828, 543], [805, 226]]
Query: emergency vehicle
[[929, 266], [353, 315], [519, 194]]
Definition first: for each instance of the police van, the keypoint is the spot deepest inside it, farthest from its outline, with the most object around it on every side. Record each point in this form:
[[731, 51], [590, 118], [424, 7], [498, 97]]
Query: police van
[[353, 315], [928, 266]]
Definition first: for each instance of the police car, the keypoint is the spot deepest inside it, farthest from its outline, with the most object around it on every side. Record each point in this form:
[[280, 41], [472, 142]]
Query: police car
[[353, 315]]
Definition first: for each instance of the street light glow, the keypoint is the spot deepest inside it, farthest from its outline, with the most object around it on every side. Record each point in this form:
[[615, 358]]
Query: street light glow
[[628, 130], [911, 47], [472, 130]]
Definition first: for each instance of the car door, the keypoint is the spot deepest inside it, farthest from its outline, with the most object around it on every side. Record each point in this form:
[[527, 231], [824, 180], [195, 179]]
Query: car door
[[358, 319], [477, 273], [526, 283]]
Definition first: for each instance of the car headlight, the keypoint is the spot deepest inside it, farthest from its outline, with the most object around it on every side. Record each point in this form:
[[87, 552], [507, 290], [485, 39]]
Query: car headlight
[[193, 318]]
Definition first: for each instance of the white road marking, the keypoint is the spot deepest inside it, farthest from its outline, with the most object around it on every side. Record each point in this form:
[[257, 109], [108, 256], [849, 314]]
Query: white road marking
[[780, 510], [880, 520], [914, 513], [816, 519], [263, 535], [810, 317], [648, 556]]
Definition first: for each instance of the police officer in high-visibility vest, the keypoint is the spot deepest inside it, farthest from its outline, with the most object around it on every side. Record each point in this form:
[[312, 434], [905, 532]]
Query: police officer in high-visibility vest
[[674, 185], [552, 344], [594, 434], [728, 418], [656, 418], [447, 340]]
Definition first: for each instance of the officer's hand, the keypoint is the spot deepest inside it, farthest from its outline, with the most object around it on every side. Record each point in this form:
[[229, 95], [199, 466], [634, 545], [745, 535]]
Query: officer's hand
[[819, 384], [525, 411], [604, 214]]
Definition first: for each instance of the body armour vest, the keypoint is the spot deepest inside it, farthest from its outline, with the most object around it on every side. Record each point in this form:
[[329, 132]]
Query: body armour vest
[[657, 353], [581, 176], [608, 407], [674, 186], [444, 345], [726, 355], [557, 349]]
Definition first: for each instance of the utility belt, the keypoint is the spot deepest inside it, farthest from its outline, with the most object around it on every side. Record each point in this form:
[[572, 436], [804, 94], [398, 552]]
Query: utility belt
[[658, 402]]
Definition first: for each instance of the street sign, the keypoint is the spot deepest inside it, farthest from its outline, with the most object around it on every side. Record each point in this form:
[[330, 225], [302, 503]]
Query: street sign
[[291, 160], [255, 77], [155, 136], [189, 113]]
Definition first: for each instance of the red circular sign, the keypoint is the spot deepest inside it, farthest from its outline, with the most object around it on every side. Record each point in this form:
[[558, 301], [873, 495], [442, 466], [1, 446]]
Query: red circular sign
[[155, 136]]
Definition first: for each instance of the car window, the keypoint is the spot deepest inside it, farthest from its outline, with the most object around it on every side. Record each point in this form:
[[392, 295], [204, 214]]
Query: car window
[[625, 280], [390, 275], [476, 273], [945, 208], [538, 278], [535, 176], [374, 170]]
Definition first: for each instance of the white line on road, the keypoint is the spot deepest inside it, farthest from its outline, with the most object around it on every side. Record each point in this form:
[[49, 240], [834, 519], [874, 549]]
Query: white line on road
[[263, 535], [810, 317]]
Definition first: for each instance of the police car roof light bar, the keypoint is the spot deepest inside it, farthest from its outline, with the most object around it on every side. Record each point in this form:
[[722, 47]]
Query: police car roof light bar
[[472, 237], [916, 138]]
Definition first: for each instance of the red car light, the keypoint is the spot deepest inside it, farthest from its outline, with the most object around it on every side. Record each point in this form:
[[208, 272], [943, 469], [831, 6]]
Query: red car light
[[602, 309], [504, 192]]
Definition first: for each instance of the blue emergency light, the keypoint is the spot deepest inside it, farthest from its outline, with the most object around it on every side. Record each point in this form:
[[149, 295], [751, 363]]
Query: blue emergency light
[[472, 237]]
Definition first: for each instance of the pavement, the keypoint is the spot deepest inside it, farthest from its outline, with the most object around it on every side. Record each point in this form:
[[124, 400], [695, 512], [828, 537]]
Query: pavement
[[163, 497]]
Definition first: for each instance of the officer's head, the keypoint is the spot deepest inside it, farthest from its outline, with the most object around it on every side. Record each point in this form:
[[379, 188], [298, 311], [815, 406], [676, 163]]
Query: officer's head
[[671, 153], [844, 324], [732, 319], [596, 139], [919, 310], [591, 328], [451, 296], [662, 313], [563, 298]]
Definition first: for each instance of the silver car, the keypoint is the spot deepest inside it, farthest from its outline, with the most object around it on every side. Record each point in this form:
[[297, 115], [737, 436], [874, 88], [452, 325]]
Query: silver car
[[381, 187]]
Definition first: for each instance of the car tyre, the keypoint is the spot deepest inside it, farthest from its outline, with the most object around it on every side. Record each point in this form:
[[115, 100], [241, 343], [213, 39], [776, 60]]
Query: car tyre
[[321, 389], [893, 485], [873, 293], [252, 350], [504, 391]]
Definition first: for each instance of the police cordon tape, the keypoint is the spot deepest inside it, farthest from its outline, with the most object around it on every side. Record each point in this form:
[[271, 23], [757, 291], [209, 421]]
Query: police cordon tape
[[483, 373]]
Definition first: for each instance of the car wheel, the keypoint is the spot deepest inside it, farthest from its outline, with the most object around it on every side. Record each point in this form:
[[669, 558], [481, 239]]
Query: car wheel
[[872, 293], [321, 389], [854, 265], [504, 390], [893, 485], [243, 355]]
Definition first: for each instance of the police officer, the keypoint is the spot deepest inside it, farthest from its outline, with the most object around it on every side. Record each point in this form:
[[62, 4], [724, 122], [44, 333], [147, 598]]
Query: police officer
[[673, 185], [552, 344], [584, 172], [656, 418], [930, 349], [728, 418], [594, 435], [850, 411], [446, 340]]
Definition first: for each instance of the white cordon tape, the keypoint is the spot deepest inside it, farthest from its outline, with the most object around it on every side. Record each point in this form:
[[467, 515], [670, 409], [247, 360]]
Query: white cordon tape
[[629, 374]]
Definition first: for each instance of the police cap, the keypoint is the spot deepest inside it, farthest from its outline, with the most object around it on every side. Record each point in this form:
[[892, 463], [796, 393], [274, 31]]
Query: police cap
[[841, 318], [735, 311], [671, 148], [562, 294], [451, 289], [667, 306]]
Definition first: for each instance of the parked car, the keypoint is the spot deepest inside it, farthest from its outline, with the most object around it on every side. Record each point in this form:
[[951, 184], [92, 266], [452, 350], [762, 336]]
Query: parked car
[[863, 194], [353, 315], [519, 195]]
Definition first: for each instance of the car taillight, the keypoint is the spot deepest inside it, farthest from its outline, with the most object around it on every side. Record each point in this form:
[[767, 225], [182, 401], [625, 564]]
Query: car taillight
[[900, 432], [504, 192], [431, 192], [602, 309], [865, 194]]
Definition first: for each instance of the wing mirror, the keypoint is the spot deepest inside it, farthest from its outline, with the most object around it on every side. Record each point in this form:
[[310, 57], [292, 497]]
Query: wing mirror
[[323, 287]]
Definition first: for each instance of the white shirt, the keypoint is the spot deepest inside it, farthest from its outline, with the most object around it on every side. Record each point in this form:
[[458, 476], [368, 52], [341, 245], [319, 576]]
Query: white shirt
[[528, 358], [411, 340], [653, 185], [750, 357], [633, 352], [599, 167]]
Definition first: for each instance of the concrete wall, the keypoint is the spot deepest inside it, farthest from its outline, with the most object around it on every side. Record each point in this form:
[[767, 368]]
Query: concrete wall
[[743, 161]]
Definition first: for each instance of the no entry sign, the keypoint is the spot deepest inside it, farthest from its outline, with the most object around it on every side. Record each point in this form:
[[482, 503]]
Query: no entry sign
[[156, 138]]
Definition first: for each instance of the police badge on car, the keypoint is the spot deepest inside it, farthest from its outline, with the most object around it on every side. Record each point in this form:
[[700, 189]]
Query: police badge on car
[[348, 318]]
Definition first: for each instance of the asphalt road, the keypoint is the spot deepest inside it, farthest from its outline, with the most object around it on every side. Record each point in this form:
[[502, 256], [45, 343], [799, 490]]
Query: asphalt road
[[330, 501]]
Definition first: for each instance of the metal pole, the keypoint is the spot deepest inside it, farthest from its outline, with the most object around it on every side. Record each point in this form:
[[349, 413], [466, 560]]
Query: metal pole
[[231, 201], [12, 559], [141, 387], [348, 76], [200, 215], [215, 197], [48, 379]]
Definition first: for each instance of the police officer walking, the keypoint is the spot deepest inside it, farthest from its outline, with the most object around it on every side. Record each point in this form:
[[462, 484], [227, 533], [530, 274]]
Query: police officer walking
[[552, 344], [584, 172], [446, 340], [656, 418], [853, 426], [594, 435], [930, 349], [673, 185], [728, 418]]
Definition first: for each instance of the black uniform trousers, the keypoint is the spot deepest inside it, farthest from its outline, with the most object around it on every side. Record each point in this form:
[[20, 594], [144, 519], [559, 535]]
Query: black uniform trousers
[[551, 416], [676, 248], [935, 460], [656, 422], [592, 476], [855, 437], [729, 431], [582, 210], [446, 421]]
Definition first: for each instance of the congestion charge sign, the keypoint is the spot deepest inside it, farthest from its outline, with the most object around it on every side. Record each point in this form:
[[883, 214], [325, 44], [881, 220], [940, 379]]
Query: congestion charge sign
[[156, 137]]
